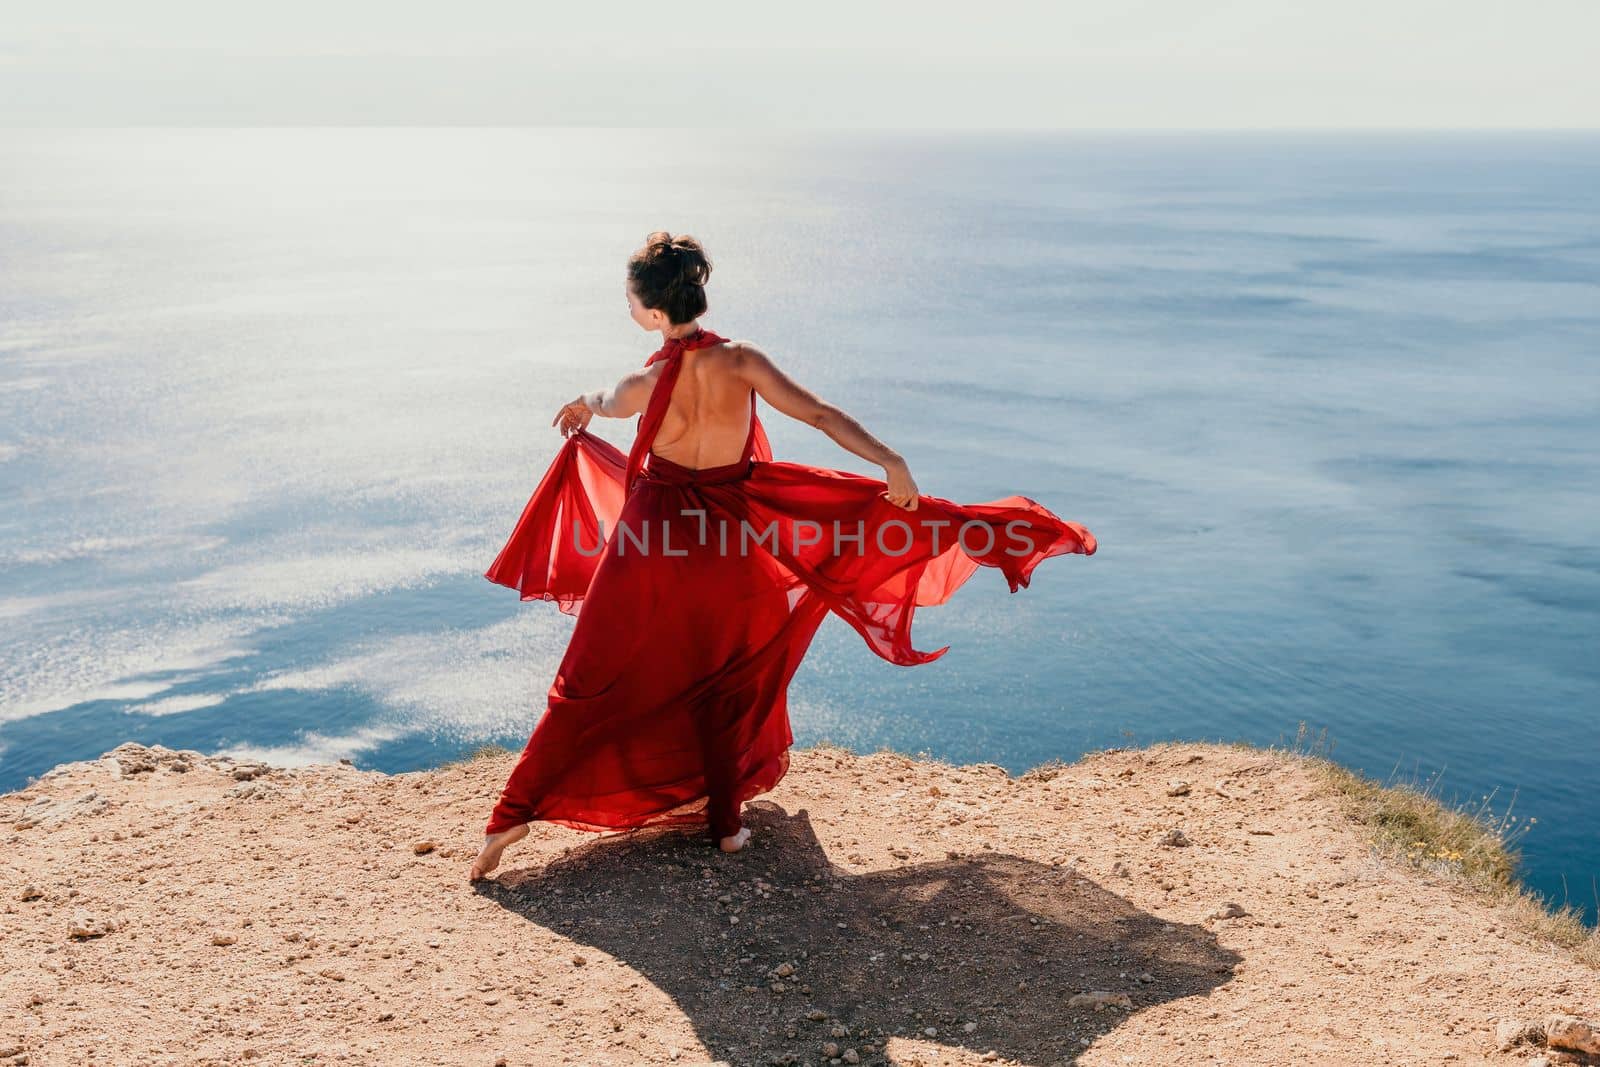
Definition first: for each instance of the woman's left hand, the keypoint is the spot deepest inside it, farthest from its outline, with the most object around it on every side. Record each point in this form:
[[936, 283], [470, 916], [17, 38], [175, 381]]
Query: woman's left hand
[[573, 417]]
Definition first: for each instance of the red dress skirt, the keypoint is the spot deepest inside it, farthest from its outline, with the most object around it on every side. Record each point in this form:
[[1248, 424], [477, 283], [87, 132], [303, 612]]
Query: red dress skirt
[[697, 593]]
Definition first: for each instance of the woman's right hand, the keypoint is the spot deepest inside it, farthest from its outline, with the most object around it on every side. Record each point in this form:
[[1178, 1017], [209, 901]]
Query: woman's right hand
[[573, 416], [902, 489]]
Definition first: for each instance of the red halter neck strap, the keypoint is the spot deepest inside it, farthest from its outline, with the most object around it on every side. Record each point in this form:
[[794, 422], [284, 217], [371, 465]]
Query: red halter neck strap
[[656, 410]]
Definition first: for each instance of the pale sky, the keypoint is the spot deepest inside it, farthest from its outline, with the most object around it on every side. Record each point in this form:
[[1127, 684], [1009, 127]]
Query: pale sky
[[1171, 64]]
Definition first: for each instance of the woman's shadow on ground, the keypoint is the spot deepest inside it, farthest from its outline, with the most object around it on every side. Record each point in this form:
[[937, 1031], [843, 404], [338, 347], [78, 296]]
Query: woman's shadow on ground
[[986, 939]]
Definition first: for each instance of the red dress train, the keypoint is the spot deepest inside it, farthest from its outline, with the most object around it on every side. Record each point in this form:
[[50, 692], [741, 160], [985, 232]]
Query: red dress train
[[700, 591]]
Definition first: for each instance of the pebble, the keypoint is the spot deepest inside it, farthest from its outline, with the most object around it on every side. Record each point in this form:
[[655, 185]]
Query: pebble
[[1228, 910], [87, 926], [1177, 787], [1174, 838], [1570, 1033], [1512, 1032]]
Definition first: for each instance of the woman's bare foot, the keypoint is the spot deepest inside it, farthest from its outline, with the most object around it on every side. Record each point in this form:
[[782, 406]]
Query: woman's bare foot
[[494, 844], [737, 841]]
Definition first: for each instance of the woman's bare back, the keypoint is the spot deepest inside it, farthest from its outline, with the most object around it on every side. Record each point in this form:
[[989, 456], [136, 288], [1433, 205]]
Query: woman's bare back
[[708, 417]]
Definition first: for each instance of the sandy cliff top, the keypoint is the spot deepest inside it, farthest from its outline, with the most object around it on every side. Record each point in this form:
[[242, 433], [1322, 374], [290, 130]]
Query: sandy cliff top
[[166, 907]]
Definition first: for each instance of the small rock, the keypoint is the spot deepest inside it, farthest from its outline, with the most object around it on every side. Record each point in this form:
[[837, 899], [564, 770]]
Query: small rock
[[852, 1056], [31, 892], [49, 812], [1228, 910], [1177, 787], [784, 970], [1174, 838], [87, 926], [1512, 1032], [1100, 998], [1572, 1034], [220, 938], [422, 848], [830, 1049]]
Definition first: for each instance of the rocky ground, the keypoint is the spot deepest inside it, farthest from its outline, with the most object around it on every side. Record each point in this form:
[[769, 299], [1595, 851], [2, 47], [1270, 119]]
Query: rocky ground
[[1186, 903]]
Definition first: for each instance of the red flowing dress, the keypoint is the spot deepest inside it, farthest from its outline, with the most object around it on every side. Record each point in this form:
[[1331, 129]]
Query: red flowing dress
[[697, 592]]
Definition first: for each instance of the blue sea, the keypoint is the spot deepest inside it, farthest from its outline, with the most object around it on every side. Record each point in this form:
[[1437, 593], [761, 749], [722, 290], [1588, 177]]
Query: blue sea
[[272, 399]]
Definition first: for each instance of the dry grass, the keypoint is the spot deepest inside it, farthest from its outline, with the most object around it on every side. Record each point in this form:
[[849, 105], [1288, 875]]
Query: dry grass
[[1470, 844], [482, 751]]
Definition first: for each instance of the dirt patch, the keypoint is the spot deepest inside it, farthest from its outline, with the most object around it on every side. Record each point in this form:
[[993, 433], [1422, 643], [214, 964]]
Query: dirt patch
[[1176, 904]]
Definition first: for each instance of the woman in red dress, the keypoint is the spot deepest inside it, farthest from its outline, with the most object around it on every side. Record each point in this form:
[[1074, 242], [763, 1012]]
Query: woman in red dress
[[699, 568]]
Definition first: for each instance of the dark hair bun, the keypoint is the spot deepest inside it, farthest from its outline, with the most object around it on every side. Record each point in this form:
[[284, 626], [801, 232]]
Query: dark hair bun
[[670, 273]]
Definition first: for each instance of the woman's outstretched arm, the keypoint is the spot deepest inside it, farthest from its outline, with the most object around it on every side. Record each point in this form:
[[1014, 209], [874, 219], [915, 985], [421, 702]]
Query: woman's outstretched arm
[[627, 397], [796, 401]]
